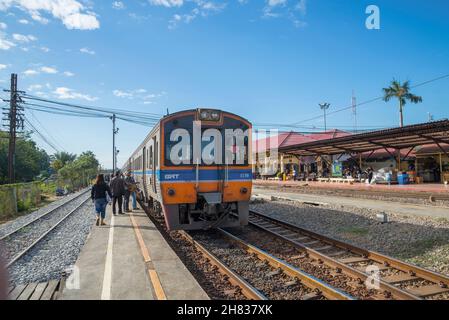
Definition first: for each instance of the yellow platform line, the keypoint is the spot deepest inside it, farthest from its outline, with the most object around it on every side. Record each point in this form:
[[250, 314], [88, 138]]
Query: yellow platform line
[[154, 278]]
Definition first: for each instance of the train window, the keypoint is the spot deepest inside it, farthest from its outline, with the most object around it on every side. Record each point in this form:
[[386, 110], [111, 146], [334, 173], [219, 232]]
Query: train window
[[220, 144], [151, 157]]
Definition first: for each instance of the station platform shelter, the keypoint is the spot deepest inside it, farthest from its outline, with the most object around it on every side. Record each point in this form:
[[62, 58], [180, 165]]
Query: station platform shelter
[[420, 151]]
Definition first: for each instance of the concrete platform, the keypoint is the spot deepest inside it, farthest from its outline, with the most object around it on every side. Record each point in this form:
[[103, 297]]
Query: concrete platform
[[385, 206], [129, 260], [430, 188]]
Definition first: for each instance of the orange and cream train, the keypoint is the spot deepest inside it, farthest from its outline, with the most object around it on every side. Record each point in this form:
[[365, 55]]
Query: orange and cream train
[[195, 168]]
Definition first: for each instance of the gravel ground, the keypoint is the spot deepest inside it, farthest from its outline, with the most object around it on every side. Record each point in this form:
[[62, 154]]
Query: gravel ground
[[10, 226], [57, 252], [423, 241], [19, 241]]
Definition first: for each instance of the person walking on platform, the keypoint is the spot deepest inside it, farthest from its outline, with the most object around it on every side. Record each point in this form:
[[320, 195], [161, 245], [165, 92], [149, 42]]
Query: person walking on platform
[[118, 188], [130, 191], [99, 192]]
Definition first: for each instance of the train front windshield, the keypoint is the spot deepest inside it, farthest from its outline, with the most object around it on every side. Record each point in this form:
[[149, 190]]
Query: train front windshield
[[189, 143]]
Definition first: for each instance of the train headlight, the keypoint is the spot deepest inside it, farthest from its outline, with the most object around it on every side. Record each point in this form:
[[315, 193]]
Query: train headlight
[[244, 190], [204, 115], [171, 192], [209, 115], [215, 115]]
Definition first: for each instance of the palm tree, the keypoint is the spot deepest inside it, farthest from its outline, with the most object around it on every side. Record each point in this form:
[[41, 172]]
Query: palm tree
[[60, 159], [402, 93]]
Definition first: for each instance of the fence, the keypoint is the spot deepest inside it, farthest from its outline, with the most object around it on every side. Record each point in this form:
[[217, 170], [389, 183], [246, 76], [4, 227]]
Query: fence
[[15, 198]]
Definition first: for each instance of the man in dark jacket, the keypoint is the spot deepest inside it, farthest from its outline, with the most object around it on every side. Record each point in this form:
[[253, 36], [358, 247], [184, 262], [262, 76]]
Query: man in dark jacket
[[130, 188], [118, 188]]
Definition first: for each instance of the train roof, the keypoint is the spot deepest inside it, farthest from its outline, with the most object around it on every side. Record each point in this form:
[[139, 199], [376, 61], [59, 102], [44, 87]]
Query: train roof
[[195, 110]]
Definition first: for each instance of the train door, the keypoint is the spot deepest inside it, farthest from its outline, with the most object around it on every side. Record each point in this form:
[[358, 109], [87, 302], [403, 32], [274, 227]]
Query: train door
[[144, 171], [144, 164], [154, 164]]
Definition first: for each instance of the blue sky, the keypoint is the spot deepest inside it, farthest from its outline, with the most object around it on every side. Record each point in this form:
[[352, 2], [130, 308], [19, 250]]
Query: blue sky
[[271, 61]]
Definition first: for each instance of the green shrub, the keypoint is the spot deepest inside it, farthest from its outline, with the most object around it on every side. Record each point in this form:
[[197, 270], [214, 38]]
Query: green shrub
[[23, 205]]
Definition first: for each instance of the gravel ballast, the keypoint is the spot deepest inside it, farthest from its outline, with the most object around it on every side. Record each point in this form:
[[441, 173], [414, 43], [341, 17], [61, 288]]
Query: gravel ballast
[[423, 241], [57, 252]]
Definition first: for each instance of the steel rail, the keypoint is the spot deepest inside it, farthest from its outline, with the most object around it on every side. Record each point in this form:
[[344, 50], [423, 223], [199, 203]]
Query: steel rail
[[419, 272], [43, 215], [23, 252], [308, 280], [247, 289]]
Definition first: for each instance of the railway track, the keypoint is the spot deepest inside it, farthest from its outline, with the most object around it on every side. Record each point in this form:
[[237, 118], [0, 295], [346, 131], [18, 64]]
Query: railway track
[[256, 274], [21, 240], [259, 274], [395, 279]]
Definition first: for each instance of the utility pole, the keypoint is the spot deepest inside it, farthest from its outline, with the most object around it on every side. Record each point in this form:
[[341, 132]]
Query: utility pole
[[324, 107], [114, 151], [14, 119], [354, 110]]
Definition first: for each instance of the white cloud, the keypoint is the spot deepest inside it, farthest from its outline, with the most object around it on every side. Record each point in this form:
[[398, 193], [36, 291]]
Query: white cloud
[[23, 38], [66, 93], [167, 3], [23, 21], [274, 3], [49, 70], [118, 5], [87, 50], [3, 66], [45, 49], [140, 94], [122, 94], [30, 72], [286, 9], [72, 13], [5, 44], [34, 87], [68, 74]]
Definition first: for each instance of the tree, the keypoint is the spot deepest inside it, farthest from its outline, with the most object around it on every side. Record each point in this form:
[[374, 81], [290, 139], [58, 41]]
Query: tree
[[402, 93], [79, 172], [60, 159], [30, 161]]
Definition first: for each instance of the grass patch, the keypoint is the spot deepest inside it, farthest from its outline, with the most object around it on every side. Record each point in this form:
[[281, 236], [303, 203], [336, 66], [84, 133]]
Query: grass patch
[[442, 220]]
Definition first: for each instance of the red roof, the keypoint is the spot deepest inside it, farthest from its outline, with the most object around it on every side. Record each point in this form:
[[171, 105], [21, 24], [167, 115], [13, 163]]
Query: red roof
[[293, 138], [330, 134], [281, 140]]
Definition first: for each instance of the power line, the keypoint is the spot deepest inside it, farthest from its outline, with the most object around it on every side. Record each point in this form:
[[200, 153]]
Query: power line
[[109, 111], [41, 135], [372, 100], [56, 142]]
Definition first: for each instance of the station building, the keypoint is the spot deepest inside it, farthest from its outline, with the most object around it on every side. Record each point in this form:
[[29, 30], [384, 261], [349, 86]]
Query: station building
[[421, 151]]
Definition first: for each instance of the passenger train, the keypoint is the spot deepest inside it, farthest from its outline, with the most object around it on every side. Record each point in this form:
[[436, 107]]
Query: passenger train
[[194, 167]]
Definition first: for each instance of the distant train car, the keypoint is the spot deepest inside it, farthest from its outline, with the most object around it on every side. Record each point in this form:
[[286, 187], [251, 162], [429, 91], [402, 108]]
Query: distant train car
[[195, 168]]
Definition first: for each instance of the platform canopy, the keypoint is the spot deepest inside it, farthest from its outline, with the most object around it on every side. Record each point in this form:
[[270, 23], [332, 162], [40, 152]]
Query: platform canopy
[[436, 133]]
